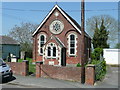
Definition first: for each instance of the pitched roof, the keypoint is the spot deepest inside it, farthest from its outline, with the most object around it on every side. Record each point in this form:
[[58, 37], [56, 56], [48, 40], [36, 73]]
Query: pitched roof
[[59, 42], [70, 19], [7, 40], [76, 23], [56, 39]]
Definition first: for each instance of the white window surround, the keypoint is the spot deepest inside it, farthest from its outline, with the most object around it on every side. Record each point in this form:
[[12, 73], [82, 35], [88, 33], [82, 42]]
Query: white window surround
[[69, 44], [51, 46], [39, 47]]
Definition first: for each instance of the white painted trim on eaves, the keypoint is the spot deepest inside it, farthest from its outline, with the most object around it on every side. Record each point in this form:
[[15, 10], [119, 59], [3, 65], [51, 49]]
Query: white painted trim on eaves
[[56, 6]]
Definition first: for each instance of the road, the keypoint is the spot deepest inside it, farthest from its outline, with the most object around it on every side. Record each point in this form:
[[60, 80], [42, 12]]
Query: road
[[9, 85], [111, 78]]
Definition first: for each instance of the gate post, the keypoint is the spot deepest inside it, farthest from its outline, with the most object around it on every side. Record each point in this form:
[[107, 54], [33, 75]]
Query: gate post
[[90, 74], [38, 69], [25, 66]]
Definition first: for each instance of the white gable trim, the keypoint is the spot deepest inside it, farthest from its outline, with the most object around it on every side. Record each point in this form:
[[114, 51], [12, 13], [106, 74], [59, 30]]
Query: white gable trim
[[60, 42], [56, 6]]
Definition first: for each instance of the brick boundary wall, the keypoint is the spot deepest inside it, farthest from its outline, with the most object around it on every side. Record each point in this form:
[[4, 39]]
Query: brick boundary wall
[[19, 68], [64, 73]]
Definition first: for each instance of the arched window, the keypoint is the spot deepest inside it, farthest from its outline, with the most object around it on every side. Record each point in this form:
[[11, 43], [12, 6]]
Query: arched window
[[72, 44], [54, 51], [49, 51], [42, 42]]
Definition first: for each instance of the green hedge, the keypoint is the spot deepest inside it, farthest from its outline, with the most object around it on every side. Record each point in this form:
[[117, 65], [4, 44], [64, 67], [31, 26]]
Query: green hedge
[[100, 69]]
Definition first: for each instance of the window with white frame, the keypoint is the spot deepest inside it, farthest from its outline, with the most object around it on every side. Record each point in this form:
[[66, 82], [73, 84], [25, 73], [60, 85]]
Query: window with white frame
[[54, 51], [72, 44], [42, 41], [51, 50]]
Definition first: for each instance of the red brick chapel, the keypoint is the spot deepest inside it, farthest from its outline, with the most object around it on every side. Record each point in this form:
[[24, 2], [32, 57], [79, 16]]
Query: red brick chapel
[[57, 40]]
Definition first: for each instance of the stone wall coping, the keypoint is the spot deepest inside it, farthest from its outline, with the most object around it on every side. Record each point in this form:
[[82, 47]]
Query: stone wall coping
[[90, 65], [25, 61]]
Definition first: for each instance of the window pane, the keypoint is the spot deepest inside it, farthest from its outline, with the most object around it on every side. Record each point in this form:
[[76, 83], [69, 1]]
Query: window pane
[[41, 44], [72, 37], [72, 51], [41, 50], [54, 51], [72, 45], [49, 51], [42, 38]]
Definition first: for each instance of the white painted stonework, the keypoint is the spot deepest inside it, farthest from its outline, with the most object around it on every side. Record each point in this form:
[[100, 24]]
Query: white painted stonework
[[112, 56], [51, 62]]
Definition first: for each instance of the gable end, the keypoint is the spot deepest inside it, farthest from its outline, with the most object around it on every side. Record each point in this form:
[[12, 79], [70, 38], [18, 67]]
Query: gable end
[[64, 14]]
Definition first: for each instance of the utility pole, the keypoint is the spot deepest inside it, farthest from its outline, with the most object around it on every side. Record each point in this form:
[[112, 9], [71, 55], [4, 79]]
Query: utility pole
[[83, 41]]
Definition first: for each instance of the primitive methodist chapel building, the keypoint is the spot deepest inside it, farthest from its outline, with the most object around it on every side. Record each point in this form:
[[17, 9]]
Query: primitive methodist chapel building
[[57, 40]]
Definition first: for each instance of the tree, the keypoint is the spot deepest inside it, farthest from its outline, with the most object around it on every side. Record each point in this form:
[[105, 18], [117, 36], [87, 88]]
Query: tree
[[117, 46], [110, 24], [23, 34], [100, 36], [97, 53], [96, 37]]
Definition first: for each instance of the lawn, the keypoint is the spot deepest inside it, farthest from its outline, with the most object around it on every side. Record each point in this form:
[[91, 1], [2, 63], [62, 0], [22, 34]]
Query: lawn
[[31, 66]]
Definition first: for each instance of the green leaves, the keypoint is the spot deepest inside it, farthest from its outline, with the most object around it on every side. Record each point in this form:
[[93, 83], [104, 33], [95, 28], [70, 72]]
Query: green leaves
[[78, 65], [100, 36], [97, 53], [100, 69]]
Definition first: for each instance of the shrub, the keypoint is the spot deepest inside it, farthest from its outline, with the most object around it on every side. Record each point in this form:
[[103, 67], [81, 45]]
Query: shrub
[[96, 53], [78, 65], [100, 68], [104, 66], [95, 62]]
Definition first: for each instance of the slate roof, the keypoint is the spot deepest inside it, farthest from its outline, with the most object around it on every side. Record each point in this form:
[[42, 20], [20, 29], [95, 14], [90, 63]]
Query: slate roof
[[7, 40]]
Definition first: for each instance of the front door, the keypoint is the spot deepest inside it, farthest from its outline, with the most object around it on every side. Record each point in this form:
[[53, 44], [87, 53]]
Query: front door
[[63, 56]]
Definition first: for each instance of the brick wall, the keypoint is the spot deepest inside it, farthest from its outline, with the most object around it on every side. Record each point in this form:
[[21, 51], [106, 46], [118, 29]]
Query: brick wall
[[19, 68], [64, 73], [68, 28]]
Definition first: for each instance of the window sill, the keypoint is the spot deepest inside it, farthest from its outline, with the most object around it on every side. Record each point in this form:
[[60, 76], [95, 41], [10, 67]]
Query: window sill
[[51, 57], [40, 54], [71, 55]]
